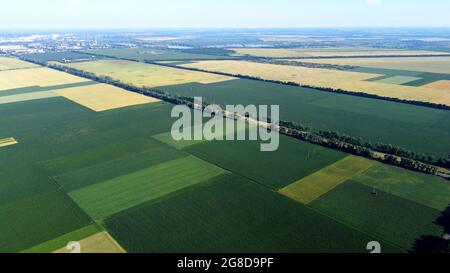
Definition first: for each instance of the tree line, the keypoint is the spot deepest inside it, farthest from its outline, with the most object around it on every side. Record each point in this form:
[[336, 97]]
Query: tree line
[[303, 64], [393, 155]]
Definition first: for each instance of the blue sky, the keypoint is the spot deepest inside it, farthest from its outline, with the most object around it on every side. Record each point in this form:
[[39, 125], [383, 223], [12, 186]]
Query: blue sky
[[25, 14]]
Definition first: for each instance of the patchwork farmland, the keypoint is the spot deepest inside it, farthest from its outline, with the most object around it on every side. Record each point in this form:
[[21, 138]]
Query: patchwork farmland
[[327, 52], [327, 78], [91, 162]]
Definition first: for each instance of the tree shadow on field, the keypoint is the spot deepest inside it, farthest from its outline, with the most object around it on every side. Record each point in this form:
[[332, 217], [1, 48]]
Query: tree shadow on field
[[435, 244]]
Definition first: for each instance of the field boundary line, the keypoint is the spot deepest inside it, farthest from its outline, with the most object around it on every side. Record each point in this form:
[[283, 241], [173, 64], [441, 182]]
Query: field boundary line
[[303, 189]]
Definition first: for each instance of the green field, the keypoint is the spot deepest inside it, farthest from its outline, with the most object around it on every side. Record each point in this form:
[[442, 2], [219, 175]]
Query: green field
[[427, 190], [412, 127], [114, 168], [399, 79], [231, 214], [7, 63], [317, 184], [403, 77], [33, 89], [100, 153], [28, 222], [112, 196], [292, 161], [52, 129], [62, 241], [59, 56], [397, 220]]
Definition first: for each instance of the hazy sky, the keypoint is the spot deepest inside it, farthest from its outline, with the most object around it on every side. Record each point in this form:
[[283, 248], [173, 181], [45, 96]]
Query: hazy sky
[[22, 14]]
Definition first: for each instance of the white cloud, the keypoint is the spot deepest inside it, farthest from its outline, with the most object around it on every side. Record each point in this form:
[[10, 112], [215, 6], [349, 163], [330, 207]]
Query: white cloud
[[374, 2]]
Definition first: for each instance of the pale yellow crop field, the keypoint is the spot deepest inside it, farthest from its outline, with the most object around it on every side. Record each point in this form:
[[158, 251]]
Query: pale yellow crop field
[[7, 142], [103, 97], [443, 85], [99, 243], [7, 63], [345, 80], [326, 52], [40, 76], [428, 64], [312, 187], [147, 75]]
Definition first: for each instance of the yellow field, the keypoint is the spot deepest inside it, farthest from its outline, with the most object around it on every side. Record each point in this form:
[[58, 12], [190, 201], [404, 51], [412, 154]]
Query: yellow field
[[323, 181], [148, 75], [443, 85], [325, 52], [429, 64], [329, 78], [99, 243], [102, 97], [12, 79], [7, 142], [12, 63]]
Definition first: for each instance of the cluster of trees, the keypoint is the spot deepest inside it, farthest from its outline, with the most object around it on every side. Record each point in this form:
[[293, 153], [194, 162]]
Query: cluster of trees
[[395, 155], [326, 89], [347, 144]]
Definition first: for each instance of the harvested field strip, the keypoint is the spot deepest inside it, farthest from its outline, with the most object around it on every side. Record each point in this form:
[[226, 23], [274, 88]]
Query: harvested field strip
[[103, 97], [312, 187], [381, 215], [399, 80], [7, 142], [232, 214], [428, 190], [443, 85], [62, 241], [114, 168], [32, 89], [28, 97], [50, 215], [99, 243], [41, 76], [104, 199]]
